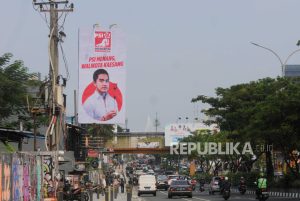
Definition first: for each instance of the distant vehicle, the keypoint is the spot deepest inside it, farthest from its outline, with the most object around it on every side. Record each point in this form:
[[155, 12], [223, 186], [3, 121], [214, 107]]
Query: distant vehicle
[[157, 169], [226, 194], [199, 171], [169, 172], [162, 182], [139, 172], [214, 185], [180, 188], [147, 185], [172, 177]]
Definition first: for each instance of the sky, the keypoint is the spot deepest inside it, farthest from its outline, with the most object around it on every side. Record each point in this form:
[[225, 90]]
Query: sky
[[176, 49]]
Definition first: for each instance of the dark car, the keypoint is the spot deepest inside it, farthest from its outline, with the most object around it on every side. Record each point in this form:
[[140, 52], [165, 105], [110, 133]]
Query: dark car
[[162, 182], [180, 188]]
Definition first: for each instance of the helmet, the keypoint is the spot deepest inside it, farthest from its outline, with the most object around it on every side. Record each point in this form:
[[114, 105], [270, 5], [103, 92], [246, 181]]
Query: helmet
[[226, 178], [242, 177]]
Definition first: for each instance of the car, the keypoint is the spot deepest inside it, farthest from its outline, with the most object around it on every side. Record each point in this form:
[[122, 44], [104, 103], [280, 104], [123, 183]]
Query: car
[[172, 177], [162, 182], [147, 185], [214, 185], [180, 188], [169, 172], [150, 171]]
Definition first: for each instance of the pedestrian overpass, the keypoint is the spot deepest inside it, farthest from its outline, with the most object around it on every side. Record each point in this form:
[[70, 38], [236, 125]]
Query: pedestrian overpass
[[131, 143]]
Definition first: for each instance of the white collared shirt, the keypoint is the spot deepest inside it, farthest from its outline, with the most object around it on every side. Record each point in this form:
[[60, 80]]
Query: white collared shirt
[[97, 105]]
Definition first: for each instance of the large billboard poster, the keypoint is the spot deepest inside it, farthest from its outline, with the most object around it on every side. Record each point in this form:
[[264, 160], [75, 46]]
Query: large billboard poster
[[176, 131], [102, 75]]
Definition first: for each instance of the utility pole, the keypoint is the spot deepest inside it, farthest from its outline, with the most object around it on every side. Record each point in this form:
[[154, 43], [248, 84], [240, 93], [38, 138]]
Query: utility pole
[[56, 105], [156, 122]]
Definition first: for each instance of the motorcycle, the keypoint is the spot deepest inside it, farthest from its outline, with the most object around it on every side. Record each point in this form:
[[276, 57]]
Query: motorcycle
[[201, 189], [226, 194], [242, 189], [74, 194], [263, 194]]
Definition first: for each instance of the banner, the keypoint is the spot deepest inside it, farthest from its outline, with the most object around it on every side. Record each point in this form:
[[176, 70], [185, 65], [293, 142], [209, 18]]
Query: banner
[[102, 75], [177, 131]]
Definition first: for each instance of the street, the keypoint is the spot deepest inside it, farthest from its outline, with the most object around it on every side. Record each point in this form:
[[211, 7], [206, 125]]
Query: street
[[204, 196]]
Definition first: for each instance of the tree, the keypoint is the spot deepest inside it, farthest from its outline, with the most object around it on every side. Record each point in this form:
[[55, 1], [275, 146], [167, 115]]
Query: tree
[[264, 111], [14, 82]]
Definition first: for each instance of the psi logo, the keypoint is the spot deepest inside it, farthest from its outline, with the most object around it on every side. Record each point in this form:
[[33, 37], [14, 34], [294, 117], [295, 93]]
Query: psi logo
[[102, 41]]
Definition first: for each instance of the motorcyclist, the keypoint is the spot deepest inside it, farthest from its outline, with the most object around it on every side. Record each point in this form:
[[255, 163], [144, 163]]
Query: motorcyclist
[[226, 184], [261, 184], [242, 181], [221, 182], [201, 182]]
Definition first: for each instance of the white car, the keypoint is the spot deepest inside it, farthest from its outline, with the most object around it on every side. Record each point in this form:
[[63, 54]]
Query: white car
[[147, 185]]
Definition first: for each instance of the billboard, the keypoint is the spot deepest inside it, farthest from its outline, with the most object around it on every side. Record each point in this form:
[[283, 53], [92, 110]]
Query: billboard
[[102, 75], [148, 145], [176, 131]]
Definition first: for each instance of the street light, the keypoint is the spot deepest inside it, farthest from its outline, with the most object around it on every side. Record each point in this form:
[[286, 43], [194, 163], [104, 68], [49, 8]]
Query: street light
[[283, 64]]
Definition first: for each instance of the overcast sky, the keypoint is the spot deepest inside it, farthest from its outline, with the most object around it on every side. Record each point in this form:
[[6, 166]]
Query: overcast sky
[[177, 49]]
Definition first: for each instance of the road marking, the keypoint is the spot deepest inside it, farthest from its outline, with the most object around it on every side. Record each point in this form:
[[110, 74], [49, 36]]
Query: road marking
[[202, 199], [186, 199]]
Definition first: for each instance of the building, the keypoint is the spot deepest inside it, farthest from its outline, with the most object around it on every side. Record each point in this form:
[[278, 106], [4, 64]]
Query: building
[[292, 71]]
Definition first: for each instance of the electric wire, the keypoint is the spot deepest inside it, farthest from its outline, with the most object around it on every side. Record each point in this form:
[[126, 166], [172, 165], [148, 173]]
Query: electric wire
[[43, 17], [65, 61]]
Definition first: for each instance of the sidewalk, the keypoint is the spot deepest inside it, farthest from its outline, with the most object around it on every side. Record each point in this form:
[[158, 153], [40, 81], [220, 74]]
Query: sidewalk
[[121, 197]]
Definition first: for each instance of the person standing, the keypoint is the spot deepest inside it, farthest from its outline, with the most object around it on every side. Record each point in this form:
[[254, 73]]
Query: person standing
[[122, 184]]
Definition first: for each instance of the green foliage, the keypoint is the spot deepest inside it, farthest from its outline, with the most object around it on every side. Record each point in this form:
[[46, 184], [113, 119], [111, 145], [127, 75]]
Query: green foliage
[[13, 78], [265, 112], [9, 148], [250, 178], [14, 98]]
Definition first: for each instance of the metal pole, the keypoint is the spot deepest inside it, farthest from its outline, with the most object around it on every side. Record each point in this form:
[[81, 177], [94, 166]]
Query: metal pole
[[107, 193], [111, 193], [54, 69], [34, 132], [75, 107]]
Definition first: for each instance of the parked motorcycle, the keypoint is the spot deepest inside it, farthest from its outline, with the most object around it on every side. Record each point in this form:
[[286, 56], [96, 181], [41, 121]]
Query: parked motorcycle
[[226, 194], [74, 194]]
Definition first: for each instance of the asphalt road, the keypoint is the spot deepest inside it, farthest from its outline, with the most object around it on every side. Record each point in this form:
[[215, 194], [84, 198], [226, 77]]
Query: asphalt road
[[204, 196]]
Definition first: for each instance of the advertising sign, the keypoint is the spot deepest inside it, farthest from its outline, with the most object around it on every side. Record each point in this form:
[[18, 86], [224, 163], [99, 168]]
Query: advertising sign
[[148, 145], [102, 68], [176, 131]]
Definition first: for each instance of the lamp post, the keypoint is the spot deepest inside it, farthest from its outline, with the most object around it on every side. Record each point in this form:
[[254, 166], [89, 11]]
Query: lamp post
[[283, 64]]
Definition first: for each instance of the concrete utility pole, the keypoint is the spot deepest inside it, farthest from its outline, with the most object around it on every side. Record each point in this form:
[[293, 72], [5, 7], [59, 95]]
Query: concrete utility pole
[[56, 104]]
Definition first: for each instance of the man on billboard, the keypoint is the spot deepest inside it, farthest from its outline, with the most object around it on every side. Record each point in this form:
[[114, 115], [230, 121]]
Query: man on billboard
[[100, 105]]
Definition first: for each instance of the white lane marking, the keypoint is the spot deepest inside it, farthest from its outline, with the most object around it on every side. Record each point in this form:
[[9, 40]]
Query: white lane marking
[[186, 199], [201, 199]]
